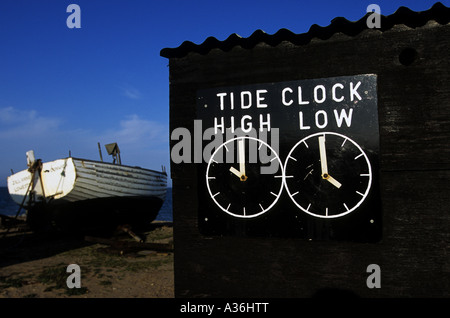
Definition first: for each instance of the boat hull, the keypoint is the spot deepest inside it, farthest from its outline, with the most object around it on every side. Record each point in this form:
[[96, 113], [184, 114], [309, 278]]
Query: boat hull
[[78, 193], [95, 214]]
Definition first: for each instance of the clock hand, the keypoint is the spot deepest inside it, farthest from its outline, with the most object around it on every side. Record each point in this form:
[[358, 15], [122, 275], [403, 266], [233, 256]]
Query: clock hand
[[235, 171], [333, 181], [323, 157], [241, 173], [241, 157], [323, 163]]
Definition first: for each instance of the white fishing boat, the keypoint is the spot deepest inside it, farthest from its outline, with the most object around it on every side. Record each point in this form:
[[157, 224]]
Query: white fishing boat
[[81, 193]]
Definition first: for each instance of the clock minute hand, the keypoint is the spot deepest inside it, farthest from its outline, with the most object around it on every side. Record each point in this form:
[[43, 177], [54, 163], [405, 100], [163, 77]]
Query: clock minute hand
[[241, 172], [241, 157], [323, 157], [324, 165]]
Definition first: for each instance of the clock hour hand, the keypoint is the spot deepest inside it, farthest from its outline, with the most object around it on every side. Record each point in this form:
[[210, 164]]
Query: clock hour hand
[[238, 174], [333, 181], [235, 171]]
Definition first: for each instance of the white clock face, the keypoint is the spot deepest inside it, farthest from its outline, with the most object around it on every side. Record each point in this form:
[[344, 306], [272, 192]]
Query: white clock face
[[242, 188], [327, 175]]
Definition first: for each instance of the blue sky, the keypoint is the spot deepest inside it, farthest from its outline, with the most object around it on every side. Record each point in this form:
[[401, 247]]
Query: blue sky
[[66, 89]]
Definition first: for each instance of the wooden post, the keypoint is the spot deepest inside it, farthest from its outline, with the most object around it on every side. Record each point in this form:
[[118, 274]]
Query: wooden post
[[100, 151]]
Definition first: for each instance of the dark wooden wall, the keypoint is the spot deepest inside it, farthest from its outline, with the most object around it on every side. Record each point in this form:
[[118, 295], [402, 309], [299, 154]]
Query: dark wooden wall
[[413, 69]]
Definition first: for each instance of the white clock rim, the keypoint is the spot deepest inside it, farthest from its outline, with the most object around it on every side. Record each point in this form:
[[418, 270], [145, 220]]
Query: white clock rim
[[282, 177], [369, 184]]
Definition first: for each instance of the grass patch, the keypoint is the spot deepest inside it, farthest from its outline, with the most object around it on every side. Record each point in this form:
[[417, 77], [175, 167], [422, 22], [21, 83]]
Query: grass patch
[[104, 261], [6, 282], [16, 282], [158, 234], [56, 277]]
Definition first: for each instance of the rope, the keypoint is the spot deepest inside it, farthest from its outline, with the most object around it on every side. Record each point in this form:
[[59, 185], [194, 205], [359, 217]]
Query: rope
[[33, 170]]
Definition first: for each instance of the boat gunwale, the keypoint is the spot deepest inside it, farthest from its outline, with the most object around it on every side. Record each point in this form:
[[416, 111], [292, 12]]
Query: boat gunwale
[[117, 165]]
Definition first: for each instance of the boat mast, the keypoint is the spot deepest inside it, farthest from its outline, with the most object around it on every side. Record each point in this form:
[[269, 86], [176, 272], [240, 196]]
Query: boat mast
[[100, 151]]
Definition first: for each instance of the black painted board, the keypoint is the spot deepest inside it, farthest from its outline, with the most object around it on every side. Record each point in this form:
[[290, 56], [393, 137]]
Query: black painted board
[[290, 133]]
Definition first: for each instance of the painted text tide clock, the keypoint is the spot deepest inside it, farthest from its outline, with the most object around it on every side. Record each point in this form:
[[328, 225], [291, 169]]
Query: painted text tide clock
[[320, 138]]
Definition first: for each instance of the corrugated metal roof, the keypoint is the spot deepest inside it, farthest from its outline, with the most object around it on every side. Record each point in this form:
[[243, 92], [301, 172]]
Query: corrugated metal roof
[[438, 12]]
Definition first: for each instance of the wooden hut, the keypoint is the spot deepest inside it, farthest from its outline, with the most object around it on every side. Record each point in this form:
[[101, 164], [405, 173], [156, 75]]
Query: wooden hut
[[395, 242]]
